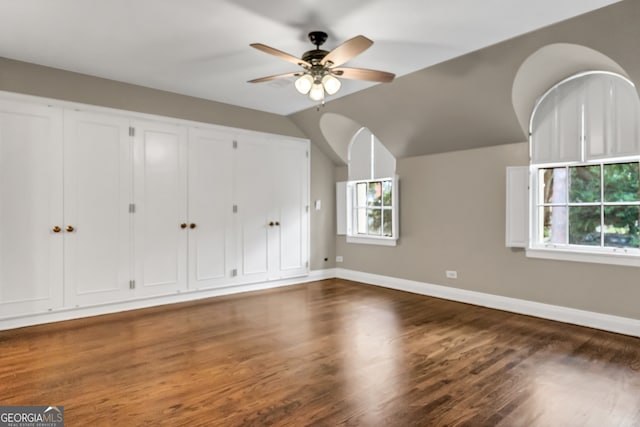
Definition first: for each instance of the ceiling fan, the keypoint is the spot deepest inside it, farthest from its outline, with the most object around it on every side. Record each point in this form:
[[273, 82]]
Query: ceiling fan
[[320, 68]]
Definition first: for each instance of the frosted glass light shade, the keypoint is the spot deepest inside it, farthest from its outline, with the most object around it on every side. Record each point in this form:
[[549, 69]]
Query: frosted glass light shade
[[317, 92], [304, 83], [331, 84]]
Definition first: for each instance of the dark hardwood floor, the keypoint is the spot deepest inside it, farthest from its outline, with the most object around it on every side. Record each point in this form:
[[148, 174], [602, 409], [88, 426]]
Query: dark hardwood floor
[[327, 353]]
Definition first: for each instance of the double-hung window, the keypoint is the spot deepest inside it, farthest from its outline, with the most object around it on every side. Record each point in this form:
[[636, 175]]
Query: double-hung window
[[589, 206], [372, 216]]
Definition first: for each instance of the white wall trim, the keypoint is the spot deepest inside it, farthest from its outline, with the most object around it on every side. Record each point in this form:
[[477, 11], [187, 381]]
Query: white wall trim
[[117, 307], [606, 322]]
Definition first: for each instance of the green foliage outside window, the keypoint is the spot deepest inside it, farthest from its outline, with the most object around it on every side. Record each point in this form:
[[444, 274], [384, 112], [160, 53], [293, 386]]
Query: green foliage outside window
[[603, 203]]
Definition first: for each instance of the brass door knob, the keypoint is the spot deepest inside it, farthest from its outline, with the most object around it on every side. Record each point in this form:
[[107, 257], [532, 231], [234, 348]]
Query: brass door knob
[[192, 225], [183, 225], [70, 228], [271, 224], [57, 229]]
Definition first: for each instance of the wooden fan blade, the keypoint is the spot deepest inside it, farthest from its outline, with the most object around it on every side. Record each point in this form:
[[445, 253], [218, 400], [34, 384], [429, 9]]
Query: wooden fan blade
[[347, 50], [364, 74], [280, 54], [277, 76]]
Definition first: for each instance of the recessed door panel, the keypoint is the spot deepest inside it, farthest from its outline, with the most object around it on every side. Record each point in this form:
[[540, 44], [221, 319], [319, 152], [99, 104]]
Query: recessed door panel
[[97, 219], [160, 199], [291, 199], [30, 208], [210, 208], [253, 192]]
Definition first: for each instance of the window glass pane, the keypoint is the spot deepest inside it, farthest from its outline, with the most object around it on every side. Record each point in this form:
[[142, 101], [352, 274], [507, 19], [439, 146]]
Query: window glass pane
[[553, 185], [387, 223], [584, 225], [375, 221], [361, 194], [585, 184], [554, 228], [386, 193], [621, 226], [362, 221], [621, 182], [375, 194]]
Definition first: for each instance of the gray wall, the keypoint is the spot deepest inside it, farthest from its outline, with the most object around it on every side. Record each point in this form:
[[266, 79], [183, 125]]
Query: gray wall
[[323, 221], [48, 82], [452, 217]]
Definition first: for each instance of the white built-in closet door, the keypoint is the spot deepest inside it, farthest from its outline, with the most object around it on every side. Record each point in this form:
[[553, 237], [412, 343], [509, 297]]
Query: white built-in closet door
[[254, 200], [97, 228], [30, 208], [289, 244], [160, 197], [211, 255]]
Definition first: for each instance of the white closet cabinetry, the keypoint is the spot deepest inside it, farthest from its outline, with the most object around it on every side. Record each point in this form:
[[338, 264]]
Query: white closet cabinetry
[[97, 222], [31, 233], [104, 208], [160, 219], [272, 196]]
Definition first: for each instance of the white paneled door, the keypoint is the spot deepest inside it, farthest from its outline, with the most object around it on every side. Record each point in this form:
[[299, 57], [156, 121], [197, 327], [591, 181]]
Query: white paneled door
[[254, 189], [272, 193], [289, 253], [160, 218], [97, 222], [31, 236], [211, 246]]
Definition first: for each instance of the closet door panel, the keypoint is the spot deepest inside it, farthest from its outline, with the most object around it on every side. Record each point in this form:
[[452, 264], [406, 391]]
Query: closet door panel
[[290, 175], [254, 200], [30, 207], [210, 208], [160, 178], [97, 197]]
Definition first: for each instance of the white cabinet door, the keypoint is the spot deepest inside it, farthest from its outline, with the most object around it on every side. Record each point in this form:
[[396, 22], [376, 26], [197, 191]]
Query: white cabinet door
[[160, 197], [290, 199], [272, 193], [211, 252], [30, 207], [97, 187], [254, 200]]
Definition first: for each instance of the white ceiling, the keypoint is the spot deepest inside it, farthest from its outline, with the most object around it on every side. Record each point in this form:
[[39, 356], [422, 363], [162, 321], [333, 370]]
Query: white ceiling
[[201, 47]]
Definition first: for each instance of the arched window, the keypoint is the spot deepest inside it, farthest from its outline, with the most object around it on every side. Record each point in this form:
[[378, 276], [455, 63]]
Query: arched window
[[585, 178], [371, 192]]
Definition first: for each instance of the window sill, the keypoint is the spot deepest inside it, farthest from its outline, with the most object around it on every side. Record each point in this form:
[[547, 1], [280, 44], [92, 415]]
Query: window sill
[[380, 241], [562, 254]]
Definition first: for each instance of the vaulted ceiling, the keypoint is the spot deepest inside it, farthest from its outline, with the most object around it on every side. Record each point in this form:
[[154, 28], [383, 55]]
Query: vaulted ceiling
[[465, 102], [455, 59]]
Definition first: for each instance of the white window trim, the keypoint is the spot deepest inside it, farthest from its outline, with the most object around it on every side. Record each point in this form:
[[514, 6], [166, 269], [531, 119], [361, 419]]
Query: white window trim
[[578, 255], [395, 208]]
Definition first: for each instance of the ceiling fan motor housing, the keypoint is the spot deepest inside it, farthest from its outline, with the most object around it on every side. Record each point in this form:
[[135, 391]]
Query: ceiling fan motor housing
[[314, 56], [318, 38]]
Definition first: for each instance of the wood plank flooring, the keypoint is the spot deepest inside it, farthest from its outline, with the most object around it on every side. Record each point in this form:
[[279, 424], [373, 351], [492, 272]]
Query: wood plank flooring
[[326, 353]]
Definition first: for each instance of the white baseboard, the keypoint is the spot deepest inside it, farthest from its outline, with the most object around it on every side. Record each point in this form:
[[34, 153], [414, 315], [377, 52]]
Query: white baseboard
[[328, 273], [110, 308], [606, 322]]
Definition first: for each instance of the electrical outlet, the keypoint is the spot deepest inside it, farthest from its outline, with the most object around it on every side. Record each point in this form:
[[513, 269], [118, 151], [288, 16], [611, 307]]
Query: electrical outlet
[[339, 258], [452, 274]]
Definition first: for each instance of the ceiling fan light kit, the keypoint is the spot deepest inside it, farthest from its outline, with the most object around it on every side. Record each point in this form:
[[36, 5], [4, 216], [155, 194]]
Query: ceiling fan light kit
[[319, 75]]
